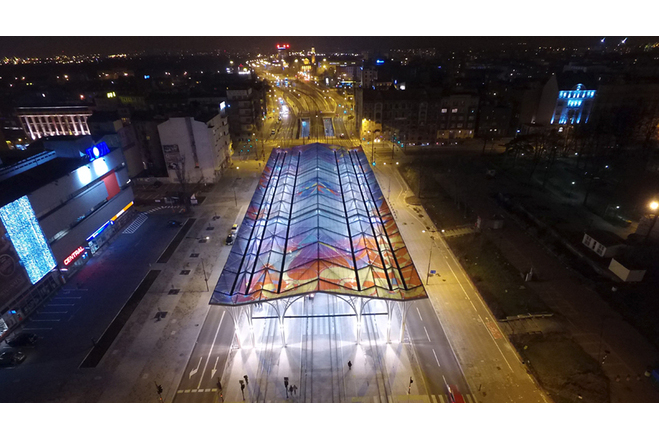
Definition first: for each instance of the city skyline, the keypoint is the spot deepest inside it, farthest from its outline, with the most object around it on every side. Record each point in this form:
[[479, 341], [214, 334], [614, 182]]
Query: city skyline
[[14, 46]]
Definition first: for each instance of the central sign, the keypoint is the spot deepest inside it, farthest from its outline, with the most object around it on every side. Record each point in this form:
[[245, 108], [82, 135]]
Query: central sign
[[74, 255]]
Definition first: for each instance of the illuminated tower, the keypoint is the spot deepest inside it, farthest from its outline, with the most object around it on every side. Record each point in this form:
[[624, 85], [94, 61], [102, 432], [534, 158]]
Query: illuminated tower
[[282, 50]]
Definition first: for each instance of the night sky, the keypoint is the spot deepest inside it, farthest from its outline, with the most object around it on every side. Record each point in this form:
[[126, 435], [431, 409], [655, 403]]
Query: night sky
[[49, 46]]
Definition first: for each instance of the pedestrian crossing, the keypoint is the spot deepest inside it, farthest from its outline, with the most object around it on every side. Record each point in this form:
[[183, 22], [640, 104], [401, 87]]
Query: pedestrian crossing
[[132, 228], [155, 209], [444, 398], [370, 399], [196, 390]]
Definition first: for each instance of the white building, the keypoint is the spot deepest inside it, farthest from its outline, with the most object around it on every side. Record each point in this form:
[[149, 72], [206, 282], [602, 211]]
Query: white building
[[201, 146], [41, 122]]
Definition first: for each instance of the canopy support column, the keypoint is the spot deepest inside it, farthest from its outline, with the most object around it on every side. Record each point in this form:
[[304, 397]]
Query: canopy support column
[[404, 306], [235, 314]]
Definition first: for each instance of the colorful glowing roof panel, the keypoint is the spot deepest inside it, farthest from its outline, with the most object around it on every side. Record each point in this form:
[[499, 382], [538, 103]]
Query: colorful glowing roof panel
[[318, 222]]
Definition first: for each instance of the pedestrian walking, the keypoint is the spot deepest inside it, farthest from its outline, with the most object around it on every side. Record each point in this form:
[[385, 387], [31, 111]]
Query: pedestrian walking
[[295, 389], [349, 365], [290, 389]]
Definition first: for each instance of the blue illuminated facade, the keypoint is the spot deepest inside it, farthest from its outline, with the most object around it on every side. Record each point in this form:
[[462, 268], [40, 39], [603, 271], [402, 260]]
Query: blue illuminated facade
[[27, 238], [573, 106]]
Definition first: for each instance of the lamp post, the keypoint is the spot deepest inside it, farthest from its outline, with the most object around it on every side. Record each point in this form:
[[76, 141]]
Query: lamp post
[[654, 205], [430, 258]]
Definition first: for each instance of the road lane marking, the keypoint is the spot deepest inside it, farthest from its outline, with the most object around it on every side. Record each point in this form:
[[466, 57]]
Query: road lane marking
[[470, 398], [418, 312], [433, 352], [196, 369], [424, 328], [44, 320], [441, 398], [210, 351], [433, 398]]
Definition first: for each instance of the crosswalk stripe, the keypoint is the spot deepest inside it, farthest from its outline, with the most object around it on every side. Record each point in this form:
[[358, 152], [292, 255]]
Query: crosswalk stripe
[[141, 218], [390, 399], [441, 398], [433, 398], [470, 398]]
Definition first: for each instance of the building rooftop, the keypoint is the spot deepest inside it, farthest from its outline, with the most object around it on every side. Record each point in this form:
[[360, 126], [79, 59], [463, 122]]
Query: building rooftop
[[318, 222], [605, 237]]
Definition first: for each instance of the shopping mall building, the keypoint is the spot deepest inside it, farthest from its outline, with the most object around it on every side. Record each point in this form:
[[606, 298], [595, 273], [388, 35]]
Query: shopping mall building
[[58, 206]]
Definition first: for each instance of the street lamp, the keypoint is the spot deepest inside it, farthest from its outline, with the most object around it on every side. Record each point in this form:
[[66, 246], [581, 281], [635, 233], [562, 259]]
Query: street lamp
[[654, 205]]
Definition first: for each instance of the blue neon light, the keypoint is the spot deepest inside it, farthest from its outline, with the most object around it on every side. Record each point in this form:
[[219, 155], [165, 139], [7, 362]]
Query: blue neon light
[[27, 238], [147, 76], [379, 61], [98, 232], [98, 150]]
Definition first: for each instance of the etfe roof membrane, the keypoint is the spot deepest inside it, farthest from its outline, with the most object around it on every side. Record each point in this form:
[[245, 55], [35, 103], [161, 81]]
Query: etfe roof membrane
[[318, 222]]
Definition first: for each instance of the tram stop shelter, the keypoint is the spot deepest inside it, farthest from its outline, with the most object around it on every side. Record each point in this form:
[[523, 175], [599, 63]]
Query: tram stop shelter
[[318, 223]]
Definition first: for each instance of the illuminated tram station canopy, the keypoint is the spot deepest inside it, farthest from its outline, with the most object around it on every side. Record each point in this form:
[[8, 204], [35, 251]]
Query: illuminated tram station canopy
[[318, 222]]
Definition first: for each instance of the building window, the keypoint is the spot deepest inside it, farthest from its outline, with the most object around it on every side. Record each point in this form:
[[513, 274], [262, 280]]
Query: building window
[[444, 110], [454, 110]]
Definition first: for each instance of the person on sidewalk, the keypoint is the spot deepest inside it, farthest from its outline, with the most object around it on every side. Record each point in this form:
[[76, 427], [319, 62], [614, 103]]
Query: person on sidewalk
[[290, 389], [349, 365], [295, 389]]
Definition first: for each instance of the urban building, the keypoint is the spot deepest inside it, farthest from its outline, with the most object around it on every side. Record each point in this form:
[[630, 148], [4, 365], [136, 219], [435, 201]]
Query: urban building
[[41, 122], [245, 110], [567, 99], [494, 120], [457, 116], [196, 149], [605, 244], [57, 208], [417, 117]]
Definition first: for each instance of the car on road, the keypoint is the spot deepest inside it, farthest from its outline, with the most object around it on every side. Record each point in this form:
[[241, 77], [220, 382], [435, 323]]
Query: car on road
[[11, 358], [174, 223], [23, 339], [234, 228], [272, 132], [454, 395]]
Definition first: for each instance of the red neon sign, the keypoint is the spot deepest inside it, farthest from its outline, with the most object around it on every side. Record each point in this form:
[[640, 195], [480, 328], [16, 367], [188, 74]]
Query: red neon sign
[[283, 46], [72, 257]]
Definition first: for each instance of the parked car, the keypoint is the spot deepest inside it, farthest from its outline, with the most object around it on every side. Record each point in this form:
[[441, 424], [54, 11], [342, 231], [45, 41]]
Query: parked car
[[11, 358], [230, 239], [234, 228], [23, 339]]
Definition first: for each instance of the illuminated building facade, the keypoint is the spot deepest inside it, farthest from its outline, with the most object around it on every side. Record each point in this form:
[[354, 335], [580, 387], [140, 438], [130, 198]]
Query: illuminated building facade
[[566, 99], [57, 208], [41, 122]]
